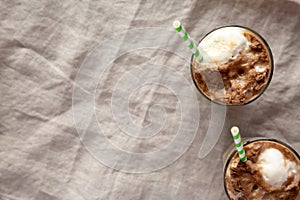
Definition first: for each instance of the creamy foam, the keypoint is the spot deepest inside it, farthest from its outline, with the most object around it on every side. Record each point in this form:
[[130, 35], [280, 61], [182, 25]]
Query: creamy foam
[[223, 44], [272, 171], [275, 167], [242, 60]]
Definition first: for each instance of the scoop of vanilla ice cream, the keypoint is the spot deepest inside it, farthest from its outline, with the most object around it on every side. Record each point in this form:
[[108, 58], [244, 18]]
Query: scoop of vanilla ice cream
[[275, 168], [223, 44]]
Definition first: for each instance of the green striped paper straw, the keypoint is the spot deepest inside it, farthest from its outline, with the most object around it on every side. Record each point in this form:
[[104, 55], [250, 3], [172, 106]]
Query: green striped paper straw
[[187, 39], [238, 143]]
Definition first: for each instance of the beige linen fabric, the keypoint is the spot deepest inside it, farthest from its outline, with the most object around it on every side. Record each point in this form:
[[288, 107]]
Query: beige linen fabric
[[42, 45]]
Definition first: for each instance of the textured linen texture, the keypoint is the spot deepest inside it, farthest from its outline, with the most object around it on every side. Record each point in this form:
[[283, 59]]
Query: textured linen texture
[[43, 43]]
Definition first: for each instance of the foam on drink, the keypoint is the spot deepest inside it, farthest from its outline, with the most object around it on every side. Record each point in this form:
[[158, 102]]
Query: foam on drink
[[236, 66], [222, 45], [275, 168], [272, 171]]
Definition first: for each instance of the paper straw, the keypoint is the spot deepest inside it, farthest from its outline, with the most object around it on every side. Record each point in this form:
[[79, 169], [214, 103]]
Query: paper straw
[[238, 143], [187, 39]]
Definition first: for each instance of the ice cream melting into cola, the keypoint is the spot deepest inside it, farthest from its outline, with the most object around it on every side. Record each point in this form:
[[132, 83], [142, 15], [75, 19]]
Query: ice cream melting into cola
[[272, 171], [222, 45], [236, 67], [275, 168]]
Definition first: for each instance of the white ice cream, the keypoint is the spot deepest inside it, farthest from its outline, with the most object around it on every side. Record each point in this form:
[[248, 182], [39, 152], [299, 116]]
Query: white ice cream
[[275, 168], [223, 44]]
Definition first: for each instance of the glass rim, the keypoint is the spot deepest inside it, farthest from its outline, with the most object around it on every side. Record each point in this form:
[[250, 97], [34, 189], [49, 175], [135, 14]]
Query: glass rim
[[271, 70], [249, 141]]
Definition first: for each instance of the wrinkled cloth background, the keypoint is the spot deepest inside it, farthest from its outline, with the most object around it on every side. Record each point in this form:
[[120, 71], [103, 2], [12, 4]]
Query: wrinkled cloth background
[[42, 45]]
